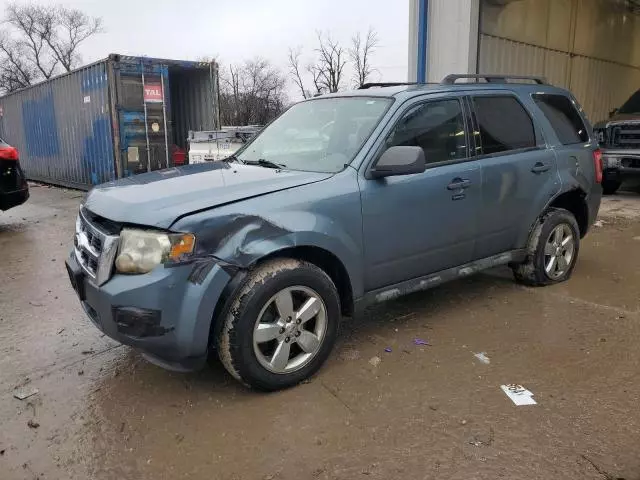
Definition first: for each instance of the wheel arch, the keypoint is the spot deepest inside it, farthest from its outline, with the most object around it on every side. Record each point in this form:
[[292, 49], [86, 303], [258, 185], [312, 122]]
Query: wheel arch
[[575, 202], [326, 261], [320, 257]]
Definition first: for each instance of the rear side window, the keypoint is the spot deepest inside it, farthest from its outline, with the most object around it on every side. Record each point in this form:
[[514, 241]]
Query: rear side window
[[504, 124], [563, 117], [437, 127]]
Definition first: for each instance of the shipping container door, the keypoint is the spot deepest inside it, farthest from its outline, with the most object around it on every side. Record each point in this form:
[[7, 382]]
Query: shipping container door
[[145, 125]]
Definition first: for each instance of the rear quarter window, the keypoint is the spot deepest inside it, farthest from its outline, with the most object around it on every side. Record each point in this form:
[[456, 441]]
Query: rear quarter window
[[563, 117]]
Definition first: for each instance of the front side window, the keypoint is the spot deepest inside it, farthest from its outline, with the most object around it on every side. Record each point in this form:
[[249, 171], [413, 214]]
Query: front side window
[[437, 127], [321, 135], [563, 117], [504, 124]]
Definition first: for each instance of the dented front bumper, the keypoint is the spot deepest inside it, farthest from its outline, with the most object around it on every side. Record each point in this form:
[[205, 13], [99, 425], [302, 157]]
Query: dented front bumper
[[166, 313]]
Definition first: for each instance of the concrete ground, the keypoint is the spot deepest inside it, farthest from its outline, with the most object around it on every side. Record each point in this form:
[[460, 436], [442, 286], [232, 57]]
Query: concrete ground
[[417, 412]]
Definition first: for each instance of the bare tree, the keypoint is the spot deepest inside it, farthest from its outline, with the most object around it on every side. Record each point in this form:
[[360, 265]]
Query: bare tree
[[314, 70], [40, 41], [330, 63], [251, 93], [31, 22], [15, 71], [294, 70], [360, 54], [68, 28], [327, 69], [208, 59]]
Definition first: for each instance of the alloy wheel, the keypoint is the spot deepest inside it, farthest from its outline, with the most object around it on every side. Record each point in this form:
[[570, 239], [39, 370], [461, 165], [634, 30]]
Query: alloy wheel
[[559, 251], [290, 329]]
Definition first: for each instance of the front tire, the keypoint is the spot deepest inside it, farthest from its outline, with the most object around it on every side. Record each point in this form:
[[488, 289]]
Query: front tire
[[552, 250], [281, 326]]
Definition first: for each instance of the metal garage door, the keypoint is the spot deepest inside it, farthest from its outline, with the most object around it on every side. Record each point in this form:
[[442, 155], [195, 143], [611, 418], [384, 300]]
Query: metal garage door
[[591, 47]]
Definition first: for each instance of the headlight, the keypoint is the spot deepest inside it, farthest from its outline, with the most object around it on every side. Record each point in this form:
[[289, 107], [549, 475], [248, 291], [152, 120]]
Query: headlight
[[611, 162], [140, 251]]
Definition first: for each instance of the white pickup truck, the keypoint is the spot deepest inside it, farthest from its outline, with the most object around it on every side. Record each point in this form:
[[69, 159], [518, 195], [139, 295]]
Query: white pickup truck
[[213, 145]]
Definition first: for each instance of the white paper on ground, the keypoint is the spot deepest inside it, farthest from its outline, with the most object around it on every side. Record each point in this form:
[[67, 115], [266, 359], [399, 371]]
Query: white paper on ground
[[518, 394], [482, 356], [25, 392]]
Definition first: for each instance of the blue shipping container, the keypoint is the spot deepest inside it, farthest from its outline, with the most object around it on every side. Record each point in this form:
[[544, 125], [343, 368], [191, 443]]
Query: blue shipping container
[[116, 117]]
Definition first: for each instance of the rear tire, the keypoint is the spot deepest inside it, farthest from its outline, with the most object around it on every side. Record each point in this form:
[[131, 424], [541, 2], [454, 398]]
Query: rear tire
[[281, 326], [552, 250], [609, 187]]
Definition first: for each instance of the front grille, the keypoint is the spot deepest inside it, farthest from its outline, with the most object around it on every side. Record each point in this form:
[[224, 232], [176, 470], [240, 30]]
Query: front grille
[[95, 249], [625, 136], [630, 162], [94, 240], [104, 224]]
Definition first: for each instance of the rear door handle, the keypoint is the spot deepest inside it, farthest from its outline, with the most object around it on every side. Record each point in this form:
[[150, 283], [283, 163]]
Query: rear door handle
[[540, 167], [459, 183]]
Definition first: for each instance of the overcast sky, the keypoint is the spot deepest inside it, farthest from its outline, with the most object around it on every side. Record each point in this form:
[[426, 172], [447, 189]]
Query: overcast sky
[[234, 30]]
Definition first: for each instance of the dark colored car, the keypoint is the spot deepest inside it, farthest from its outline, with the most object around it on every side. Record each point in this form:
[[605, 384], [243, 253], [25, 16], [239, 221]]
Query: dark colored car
[[619, 138], [344, 200], [14, 190]]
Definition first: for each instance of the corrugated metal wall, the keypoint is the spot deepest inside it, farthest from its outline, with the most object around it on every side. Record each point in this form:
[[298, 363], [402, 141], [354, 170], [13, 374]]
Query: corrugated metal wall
[[591, 47], [62, 128]]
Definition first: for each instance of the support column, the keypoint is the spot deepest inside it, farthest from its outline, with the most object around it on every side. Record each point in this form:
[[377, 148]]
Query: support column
[[443, 38]]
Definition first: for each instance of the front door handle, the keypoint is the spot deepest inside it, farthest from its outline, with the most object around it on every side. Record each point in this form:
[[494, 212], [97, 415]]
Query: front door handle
[[459, 183], [540, 167]]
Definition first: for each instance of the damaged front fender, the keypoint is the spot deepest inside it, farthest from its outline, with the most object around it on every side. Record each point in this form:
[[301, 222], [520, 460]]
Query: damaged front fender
[[241, 240]]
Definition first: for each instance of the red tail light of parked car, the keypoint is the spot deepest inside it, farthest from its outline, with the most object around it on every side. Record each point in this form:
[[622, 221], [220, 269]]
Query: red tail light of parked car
[[8, 153]]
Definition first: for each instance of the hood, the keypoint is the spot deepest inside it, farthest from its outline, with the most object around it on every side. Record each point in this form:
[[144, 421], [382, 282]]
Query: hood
[[619, 118], [623, 117], [159, 198]]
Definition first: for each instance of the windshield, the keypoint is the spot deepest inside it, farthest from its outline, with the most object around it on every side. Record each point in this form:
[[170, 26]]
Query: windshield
[[321, 135], [632, 105]]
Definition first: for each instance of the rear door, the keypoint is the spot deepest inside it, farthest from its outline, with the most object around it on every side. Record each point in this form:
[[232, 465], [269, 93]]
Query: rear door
[[519, 172]]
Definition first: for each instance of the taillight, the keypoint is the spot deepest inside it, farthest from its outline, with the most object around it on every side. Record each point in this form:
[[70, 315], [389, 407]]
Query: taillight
[[8, 153], [597, 162]]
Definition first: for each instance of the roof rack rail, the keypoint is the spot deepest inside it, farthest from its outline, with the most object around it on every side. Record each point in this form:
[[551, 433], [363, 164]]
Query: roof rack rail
[[451, 79], [364, 86]]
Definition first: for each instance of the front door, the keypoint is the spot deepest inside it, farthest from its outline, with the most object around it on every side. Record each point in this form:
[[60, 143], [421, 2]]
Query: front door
[[418, 224]]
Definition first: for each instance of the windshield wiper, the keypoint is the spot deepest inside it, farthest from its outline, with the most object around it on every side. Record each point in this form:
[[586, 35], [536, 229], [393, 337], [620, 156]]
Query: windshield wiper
[[265, 163], [231, 158]]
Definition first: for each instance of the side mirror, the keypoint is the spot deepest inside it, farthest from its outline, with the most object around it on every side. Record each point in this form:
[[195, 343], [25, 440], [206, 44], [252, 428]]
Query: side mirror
[[613, 112], [399, 161]]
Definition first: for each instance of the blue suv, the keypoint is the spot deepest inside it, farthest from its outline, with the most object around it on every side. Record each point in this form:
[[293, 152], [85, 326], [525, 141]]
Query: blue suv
[[343, 200]]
